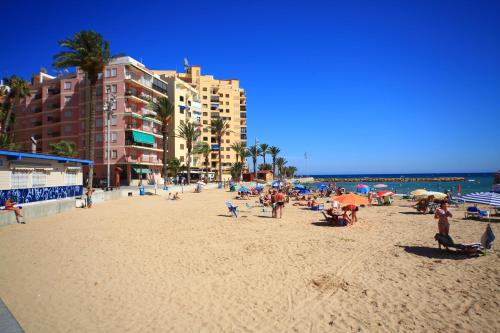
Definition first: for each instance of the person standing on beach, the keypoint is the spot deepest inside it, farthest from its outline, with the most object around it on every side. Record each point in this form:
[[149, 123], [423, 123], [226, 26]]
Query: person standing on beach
[[89, 197], [442, 214], [273, 202], [280, 203]]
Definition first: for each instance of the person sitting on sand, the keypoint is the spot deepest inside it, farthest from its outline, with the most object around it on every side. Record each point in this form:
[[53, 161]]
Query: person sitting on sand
[[176, 196], [345, 220], [422, 205], [10, 205]]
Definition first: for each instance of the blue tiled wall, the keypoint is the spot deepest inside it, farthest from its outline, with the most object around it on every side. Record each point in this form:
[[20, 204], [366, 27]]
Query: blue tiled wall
[[25, 195]]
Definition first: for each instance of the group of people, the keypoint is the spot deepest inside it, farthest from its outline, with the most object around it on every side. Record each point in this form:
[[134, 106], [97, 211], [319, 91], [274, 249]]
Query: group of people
[[343, 217]]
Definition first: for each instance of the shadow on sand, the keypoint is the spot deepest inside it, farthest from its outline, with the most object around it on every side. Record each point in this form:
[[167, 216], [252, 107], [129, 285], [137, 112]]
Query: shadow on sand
[[325, 224], [434, 252], [413, 213]]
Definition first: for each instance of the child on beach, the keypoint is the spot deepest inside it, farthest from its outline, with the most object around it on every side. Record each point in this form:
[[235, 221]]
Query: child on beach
[[89, 196], [442, 213], [10, 205]]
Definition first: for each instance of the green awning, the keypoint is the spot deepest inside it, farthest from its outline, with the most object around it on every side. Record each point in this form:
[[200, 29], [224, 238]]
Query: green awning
[[143, 138], [144, 170]]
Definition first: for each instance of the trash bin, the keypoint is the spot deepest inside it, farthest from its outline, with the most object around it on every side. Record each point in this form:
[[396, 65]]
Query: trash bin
[[141, 190]]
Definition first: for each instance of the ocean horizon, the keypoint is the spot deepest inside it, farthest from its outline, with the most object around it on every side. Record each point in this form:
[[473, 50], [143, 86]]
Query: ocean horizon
[[474, 181]]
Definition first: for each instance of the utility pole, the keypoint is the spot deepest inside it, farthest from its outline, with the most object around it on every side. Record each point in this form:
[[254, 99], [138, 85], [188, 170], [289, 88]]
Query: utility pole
[[110, 102]]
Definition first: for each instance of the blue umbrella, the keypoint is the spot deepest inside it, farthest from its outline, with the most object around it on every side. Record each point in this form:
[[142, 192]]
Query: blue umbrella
[[243, 189], [363, 190], [486, 198], [299, 187], [259, 188], [322, 187], [304, 191]]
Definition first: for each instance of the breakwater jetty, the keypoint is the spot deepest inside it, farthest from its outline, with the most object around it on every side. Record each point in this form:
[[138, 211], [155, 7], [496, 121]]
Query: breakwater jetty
[[391, 180]]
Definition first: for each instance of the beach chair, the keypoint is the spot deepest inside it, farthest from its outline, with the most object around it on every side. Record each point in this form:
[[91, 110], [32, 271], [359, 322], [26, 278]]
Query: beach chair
[[471, 212], [232, 209], [473, 249]]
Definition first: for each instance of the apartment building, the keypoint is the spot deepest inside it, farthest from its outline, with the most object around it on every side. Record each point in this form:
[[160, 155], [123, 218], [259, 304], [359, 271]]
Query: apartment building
[[56, 111], [219, 99]]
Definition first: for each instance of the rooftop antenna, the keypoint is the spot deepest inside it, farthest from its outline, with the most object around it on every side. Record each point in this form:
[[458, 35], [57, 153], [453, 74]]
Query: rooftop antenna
[[186, 64]]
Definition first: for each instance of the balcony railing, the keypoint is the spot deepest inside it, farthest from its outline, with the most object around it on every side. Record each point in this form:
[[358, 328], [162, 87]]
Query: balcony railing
[[138, 144]]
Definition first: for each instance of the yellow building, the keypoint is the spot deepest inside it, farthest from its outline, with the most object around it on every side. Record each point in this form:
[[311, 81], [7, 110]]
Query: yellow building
[[218, 98]]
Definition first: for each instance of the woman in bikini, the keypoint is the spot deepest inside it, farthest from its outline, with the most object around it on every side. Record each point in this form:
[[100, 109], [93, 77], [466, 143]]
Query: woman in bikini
[[10, 205], [442, 214]]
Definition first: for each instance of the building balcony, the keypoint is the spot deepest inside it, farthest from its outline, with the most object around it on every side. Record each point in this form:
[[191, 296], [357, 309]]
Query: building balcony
[[143, 159], [53, 91], [243, 108], [138, 97], [243, 136], [214, 114], [148, 112]]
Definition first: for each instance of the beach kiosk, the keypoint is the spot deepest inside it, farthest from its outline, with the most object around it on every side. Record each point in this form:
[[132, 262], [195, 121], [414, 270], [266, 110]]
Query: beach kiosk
[[28, 178]]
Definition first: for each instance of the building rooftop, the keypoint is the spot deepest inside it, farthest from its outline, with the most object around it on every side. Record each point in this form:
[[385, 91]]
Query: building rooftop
[[17, 155]]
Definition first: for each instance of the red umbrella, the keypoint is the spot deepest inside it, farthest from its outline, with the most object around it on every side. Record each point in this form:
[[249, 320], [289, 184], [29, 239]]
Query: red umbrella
[[385, 194]]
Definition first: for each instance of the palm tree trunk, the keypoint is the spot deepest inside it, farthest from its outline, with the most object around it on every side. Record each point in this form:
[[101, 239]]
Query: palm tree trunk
[[219, 141], [264, 156], [188, 164], [254, 168], [17, 101], [206, 169], [164, 158], [274, 166], [91, 141]]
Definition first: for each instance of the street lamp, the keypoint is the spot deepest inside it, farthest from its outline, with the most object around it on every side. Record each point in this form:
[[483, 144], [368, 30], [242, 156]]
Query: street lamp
[[110, 102]]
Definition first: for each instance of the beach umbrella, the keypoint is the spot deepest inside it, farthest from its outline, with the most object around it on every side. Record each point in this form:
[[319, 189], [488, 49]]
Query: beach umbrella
[[380, 186], [385, 194], [361, 186], [351, 199], [259, 188], [299, 187], [363, 190], [304, 191], [323, 187], [418, 192], [486, 198], [243, 189], [436, 195]]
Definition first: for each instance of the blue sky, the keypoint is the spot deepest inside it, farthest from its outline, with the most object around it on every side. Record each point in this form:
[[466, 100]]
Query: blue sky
[[361, 86]]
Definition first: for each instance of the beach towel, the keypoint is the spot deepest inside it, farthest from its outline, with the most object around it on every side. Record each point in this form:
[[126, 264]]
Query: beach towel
[[447, 241]]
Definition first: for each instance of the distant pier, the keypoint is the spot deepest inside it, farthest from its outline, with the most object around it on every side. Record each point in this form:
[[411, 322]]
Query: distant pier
[[391, 180]]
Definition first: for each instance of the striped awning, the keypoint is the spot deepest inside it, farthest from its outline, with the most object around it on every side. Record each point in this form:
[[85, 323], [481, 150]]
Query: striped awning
[[485, 198]]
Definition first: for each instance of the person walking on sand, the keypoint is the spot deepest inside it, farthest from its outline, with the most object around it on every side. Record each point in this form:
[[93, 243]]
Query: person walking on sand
[[89, 196], [442, 214], [273, 202], [280, 203], [10, 205]]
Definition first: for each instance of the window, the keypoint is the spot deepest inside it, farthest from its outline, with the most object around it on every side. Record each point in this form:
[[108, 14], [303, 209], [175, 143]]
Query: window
[[19, 179], [114, 154], [181, 159], [228, 149], [244, 130], [205, 122], [68, 114], [114, 88], [204, 88], [70, 177], [113, 72], [68, 128], [227, 103], [98, 107], [182, 146], [107, 73], [98, 122], [114, 120], [228, 157], [205, 114], [227, 110], [227, 95], [39, 178], [205, 105], [181, 98], [228, 141], [205, 97], [205, 138], [114, 136], [98, 138], [67, 100], [67, 85]]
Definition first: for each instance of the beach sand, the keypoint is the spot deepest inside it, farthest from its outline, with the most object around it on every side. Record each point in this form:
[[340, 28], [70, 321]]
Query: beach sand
[[145, 264]]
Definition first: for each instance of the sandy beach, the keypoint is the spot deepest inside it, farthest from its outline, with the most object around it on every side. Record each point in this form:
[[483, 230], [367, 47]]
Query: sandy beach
[[145, 264]]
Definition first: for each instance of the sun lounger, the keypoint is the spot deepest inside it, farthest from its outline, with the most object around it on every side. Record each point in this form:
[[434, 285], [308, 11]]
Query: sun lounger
[[232, 209], [476, 212], [472, 249]]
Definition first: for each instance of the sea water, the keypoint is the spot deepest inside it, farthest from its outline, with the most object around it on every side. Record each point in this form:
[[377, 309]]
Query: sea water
[[474, 182]]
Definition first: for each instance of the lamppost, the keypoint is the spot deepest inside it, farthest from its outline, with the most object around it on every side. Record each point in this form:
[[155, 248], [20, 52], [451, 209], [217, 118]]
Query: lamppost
[[110, 102]]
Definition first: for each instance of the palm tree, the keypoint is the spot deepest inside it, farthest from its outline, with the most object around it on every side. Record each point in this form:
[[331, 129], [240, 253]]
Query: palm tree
[[89, 51], [236, 170], [290, 171], [6, 144], [164, 111], [264, 166], [254, 153], [174, 165], [18, 89], [63, 148], [264, 150], [274, 151], [238, 147], [219, 128], [189, 132], [280, 163], [203, 148]]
